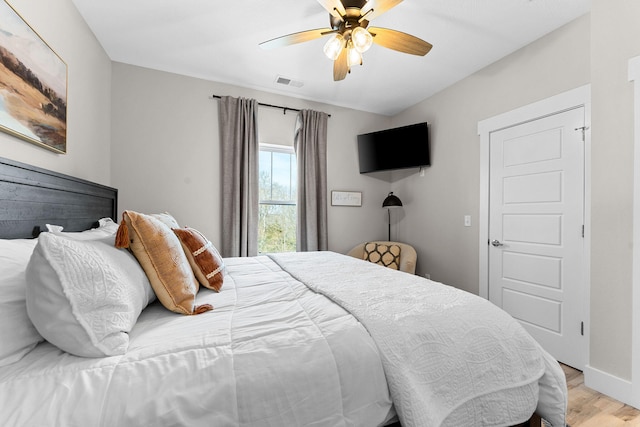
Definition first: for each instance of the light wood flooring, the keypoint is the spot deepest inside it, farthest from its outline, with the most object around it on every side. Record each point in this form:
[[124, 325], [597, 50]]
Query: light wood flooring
[[588, 408]]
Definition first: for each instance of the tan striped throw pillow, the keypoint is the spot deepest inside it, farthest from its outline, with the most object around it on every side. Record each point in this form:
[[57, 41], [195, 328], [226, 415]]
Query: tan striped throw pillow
[[205, 260]]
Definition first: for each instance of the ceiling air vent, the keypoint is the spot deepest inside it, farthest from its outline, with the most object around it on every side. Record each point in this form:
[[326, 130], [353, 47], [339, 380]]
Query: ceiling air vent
[[288, 82]]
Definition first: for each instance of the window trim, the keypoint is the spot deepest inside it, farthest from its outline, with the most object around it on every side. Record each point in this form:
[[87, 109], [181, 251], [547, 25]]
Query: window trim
[[277, 147]]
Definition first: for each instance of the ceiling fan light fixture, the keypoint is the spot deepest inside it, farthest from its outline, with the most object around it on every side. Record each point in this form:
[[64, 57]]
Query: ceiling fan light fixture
[[351, 35], [362, 39], [333, 47]]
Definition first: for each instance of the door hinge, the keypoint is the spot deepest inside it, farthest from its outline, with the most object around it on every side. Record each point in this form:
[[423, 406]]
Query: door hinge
[[582, 328], [583, 129]]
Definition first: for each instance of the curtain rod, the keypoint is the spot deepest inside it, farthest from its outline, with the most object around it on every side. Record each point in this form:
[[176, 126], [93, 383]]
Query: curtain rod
[[284, 109]]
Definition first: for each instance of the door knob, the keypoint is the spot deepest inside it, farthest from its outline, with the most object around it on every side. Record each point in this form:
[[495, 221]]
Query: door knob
[[496, 243]]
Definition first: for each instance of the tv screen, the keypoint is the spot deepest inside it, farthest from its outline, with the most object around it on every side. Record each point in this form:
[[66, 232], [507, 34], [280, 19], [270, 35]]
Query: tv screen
[[398, 148]]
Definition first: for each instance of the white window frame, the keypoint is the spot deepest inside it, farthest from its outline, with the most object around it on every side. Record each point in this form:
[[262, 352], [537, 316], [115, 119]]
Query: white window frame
[[277, 148]]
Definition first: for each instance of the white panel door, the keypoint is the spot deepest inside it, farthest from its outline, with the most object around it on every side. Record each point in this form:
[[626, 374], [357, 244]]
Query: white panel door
[[536, 217]]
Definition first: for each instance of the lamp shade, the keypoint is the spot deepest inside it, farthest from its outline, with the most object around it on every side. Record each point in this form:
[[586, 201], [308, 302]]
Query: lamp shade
[[361, 39], [333, 47], [353, 56], [391, 201]]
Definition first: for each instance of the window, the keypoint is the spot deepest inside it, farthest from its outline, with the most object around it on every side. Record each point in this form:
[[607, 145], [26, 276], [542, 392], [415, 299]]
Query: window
[[277, 211]]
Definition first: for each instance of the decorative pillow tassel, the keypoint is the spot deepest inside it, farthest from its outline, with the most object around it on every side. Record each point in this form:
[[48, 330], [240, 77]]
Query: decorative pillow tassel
[[202, 308], [122, 235]]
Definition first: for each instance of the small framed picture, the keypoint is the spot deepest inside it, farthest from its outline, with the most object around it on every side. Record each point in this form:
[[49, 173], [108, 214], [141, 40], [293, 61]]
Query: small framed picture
[[346, 198]]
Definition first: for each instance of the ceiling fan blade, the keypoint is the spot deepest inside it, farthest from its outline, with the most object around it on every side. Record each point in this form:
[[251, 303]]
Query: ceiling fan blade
[[334, 7], [397, 40], [340, 66], [375, 8], [303, 36]]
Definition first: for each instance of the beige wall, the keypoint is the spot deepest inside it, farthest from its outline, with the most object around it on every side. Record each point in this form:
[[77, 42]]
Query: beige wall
[[88, 94], [166, 150], [615, 35]]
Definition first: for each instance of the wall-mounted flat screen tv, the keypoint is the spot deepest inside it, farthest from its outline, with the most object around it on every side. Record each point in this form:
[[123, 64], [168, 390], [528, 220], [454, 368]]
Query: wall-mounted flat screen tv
[[398, 148]]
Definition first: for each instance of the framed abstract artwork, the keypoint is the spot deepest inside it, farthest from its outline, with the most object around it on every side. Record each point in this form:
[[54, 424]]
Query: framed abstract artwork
[[33, 85]]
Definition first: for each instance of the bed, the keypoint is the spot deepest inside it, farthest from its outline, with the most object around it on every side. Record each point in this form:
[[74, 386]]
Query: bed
[[306, 339]]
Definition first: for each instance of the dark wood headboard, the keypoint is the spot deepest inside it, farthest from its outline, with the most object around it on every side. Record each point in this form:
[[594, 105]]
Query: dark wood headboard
[[31, 197]]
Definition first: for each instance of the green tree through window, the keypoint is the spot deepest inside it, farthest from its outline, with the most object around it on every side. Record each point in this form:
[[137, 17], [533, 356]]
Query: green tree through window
[[277, 210]]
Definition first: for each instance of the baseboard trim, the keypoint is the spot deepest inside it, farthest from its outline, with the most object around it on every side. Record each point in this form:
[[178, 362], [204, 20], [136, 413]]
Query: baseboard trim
[[610, 385]]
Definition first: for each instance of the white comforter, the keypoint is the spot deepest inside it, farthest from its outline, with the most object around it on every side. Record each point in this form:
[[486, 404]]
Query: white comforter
[[451, 358], [275, 353], [271, 353]]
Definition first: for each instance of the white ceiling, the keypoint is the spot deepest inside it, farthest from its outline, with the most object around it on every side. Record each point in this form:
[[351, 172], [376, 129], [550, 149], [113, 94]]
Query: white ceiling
[[218, 40]]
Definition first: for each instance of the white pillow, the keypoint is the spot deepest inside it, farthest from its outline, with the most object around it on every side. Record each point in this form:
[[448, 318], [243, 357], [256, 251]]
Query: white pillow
[[106, 227], [84, 296], [17, 334]]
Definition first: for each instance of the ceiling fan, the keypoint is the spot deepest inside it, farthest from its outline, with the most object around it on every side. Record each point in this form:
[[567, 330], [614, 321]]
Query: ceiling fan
[[351, 35]]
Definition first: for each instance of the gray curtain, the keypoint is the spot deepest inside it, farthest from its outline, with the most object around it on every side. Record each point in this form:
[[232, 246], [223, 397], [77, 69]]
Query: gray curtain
[[240, 151], [311, 152]]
